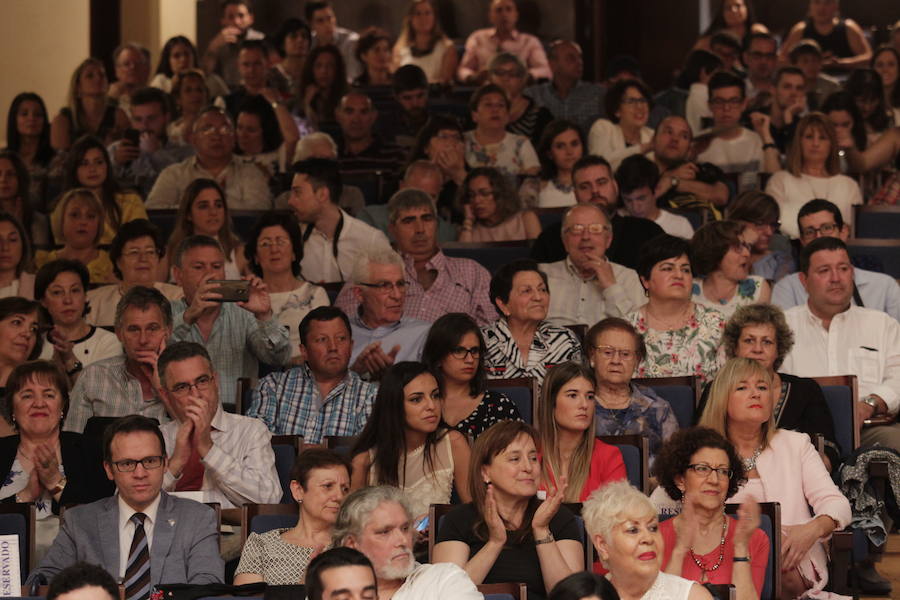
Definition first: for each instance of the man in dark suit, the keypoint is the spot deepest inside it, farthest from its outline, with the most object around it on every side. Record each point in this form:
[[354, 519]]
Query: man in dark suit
[[143, 536]]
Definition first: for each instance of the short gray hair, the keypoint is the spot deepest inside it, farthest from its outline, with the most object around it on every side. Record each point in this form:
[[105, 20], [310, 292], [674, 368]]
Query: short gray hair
[[386, 256], [423, 165], [304, 146], [357, 507], [142, 298], [588, 205], [603, 510], [408, 199]]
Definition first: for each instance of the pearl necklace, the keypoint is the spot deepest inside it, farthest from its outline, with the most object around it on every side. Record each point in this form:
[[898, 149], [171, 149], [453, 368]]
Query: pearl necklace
[[750, 463], [703, 568]]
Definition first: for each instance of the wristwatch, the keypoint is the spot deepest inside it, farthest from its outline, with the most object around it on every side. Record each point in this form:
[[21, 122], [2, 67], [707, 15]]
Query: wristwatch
[[75, 368], [675, 181], [545, 540], [871, 401], [58, 487]]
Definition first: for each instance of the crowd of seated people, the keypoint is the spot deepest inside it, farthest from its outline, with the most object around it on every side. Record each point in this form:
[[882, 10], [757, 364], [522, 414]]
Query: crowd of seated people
[[374, 243]]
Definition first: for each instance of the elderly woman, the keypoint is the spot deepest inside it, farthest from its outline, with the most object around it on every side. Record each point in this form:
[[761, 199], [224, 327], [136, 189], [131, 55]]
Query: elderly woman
[[273, 253], [454, 350], [721, 251], [493, 212], [700, 467], [770, 255], [16, 197], [61, 288], [813, 171], [423, 43], [623, 526], [15, 257], [780, 466], [42, 464], [526, 117], [80, 225], [682, 337], [135, 253], [320, 479], [521, 343], [560, 147], [490, 144], [404, 444], [628, 105], [87, 110], [761, 333], [571, 451], [506, 534], [614, 350]]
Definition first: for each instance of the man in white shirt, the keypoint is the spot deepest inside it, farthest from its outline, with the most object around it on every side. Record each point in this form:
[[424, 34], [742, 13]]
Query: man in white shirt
[[586, 286], [733, 148], [332, 239], [638, 178], [228, 457], [834, 337], [378, 522]]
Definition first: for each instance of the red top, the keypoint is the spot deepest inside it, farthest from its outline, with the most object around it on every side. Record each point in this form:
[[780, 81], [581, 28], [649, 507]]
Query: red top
[[606, 465], [759, 556]]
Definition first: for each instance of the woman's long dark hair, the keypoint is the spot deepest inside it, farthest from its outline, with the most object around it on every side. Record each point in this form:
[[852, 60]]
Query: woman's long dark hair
[[329, 98], [108, 190], [385, 431], [445, 335], [866, 83], [45, 151], [895, 93], [718, 21], [165, 64], [554, 128], [843, 101]]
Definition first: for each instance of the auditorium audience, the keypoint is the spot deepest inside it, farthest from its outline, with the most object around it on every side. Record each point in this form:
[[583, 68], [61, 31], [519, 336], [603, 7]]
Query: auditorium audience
[[522, 343], [88, 110], [526, 117], [359, 146], [177, 57], [493, 212], [321, 396], [325, 32], [624, 131], [770, 255], [322, 84], [320, 480], [454, 351], [423, 43], [638, 179], [79, 225], [221, 56], [135, 254], [15, 255], [405, 444], [843, 42], [28, 136], [490, 144], [682, 337], [614, 350], [560, 147]]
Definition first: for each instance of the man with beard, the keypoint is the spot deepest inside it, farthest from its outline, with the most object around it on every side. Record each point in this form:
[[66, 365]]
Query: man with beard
[[410, 86], [594, 184]]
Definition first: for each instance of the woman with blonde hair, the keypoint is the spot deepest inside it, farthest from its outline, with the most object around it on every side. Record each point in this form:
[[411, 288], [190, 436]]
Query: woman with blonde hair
[[813, 170], [781, 466], [424, 44], [566, 424], [88, 109], [190, 93], [78, 224]]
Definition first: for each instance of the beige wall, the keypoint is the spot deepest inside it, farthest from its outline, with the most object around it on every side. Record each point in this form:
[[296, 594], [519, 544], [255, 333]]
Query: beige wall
[[152, 22], [41, 42]]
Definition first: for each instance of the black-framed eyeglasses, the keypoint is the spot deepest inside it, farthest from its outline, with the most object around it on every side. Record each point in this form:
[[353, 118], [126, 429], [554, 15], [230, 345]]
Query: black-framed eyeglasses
[[704, 470], [461, 353], [148, 462], [384, 287], [202, 383], [826, 229]]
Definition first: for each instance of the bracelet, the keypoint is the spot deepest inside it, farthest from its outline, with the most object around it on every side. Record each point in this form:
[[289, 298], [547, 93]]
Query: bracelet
[[769, 145], [741, 559], [545, 540]]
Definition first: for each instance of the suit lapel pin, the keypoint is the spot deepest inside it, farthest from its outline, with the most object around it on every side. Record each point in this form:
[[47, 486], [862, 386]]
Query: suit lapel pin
[[171, 522]]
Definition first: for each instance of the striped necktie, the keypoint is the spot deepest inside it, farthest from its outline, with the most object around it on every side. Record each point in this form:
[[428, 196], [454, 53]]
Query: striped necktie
[[137, 573]]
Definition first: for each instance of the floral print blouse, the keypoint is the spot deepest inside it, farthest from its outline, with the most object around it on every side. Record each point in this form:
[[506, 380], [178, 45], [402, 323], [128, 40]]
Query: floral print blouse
[[692, 350], [511, 156], [647, 414], [748, 292]]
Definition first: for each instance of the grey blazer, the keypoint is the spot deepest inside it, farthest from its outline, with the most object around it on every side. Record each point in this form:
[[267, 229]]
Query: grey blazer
[[185, 545]]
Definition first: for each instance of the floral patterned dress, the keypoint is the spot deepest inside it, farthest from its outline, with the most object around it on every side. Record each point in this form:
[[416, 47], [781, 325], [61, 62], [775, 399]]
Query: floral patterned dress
[[692, 350], [748, 292]]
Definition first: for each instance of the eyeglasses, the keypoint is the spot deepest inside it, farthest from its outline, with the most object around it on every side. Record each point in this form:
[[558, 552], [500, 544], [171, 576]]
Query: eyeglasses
[[704, 470], [634, 101], [608, 352], [279, 242], [461, 353], [183, 389], [223, 130], [139, 253], [827, 229], [383, 287], [729, 102], [592, 228], [148, 462]]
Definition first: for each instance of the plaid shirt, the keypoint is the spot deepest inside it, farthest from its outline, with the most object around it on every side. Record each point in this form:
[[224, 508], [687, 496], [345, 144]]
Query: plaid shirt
[[106, 389], [550, 346], [461, 285], [583, 105], [289, 403]]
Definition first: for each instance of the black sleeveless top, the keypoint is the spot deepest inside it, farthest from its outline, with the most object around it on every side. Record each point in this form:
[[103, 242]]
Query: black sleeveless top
[[837, 42], [107, 125]]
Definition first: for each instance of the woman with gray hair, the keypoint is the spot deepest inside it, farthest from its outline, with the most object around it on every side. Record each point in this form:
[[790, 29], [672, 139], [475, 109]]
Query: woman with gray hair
[[526, 117], [623, 526], [760, 332]]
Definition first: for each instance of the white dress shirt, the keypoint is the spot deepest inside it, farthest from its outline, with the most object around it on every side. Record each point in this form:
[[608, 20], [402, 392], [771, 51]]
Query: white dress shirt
[[126, 529], [859, 341], [319, 263], [575, 300]]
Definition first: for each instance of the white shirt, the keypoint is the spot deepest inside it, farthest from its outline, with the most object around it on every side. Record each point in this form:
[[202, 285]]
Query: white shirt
[[441, 581], [126, 529], [859, 341], [675, 224], [99, 344], [104, 299], [606, 139], [792, 193], [246, 185], [697, 107], [743, 154], [574, 300], [356, 238]]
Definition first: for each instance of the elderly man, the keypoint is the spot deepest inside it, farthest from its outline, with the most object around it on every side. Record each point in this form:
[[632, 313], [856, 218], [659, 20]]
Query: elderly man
[[382, 334], [332, 239], [138, 164], [819, 218], [378, 521], [128, 383], [142, 536], [358, 146], [680, 178], [227, 457], [567, 96], [437, 284], [587, 286], [322, 397], [236, 334], [483, 44], [246, 186], [594, 184]]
